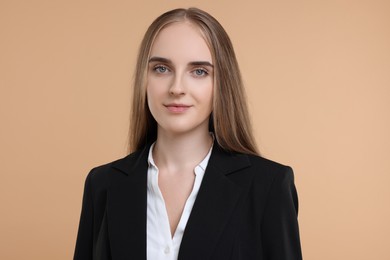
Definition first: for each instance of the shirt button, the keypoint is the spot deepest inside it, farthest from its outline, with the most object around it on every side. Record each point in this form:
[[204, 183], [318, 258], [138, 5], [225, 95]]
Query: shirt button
[[167, 250]]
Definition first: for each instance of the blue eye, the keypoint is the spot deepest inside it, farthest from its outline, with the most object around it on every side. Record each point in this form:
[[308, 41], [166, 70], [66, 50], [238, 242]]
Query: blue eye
[[160, 69], [200, 72]]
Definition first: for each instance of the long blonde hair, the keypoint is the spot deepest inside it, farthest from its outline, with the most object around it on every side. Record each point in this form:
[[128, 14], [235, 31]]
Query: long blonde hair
[[230, 118]]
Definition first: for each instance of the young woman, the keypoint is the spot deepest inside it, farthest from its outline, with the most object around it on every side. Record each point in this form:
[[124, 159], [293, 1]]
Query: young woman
[[193, 186]]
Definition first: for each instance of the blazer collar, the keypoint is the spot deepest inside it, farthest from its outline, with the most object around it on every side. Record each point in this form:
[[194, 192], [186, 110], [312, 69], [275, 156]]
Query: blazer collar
[[225, 162], [126, 205], [130, 163]]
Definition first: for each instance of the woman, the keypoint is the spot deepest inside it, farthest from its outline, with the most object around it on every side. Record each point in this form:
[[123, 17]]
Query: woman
[[193, 186]]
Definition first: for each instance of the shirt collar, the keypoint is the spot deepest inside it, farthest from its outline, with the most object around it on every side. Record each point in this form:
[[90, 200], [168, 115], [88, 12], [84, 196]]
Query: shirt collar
[[205, 161], [202, 164], [150, 156]]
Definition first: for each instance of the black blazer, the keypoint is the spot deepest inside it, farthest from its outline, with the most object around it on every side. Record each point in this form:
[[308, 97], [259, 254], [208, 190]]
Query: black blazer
[[246, 209]]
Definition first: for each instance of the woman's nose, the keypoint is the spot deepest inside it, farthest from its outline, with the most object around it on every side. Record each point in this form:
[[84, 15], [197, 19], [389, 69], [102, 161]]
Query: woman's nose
[[177, 86]]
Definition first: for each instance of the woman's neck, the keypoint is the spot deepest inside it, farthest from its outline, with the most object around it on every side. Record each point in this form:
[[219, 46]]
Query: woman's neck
[[174, 152]]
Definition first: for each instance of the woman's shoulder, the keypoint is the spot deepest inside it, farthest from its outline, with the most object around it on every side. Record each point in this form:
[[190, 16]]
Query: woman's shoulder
[[267, 168], [266, 163]]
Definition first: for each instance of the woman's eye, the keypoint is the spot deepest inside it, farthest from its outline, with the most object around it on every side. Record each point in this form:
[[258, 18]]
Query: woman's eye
[[200, 72], [160, 69]]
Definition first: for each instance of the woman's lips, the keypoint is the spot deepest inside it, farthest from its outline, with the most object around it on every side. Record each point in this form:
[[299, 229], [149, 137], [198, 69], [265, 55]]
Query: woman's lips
[[177, 108]]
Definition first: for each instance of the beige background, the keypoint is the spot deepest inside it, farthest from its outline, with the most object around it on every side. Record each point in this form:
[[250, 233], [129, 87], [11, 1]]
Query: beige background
[[318, 80]]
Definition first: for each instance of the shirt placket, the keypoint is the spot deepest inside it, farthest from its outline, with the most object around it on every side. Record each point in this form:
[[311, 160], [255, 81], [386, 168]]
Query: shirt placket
[[167, 246]]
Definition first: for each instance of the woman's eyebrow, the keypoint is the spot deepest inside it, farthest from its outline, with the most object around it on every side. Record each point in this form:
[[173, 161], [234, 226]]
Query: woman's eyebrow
[[192, 63], [159, 59], [201, 63]]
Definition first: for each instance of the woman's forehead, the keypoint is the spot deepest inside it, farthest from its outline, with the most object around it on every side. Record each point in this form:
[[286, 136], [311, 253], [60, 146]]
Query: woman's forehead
[[181, 41]]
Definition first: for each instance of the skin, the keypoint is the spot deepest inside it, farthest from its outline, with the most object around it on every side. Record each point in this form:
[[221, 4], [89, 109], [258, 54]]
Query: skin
[[180, 97]]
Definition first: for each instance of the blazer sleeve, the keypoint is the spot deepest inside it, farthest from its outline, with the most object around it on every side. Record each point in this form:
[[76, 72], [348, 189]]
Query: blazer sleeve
[[84, 242], [280, 232]]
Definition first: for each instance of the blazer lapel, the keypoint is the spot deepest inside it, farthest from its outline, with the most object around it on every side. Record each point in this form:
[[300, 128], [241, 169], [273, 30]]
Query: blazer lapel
[[214, 204], [126, 206]]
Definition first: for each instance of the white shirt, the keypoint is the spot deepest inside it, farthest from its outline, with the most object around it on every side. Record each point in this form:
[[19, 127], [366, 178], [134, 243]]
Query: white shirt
[[160, 245]]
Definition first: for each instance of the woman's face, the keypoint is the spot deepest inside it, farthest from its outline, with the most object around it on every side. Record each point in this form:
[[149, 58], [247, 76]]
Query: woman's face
[[180, 80]]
